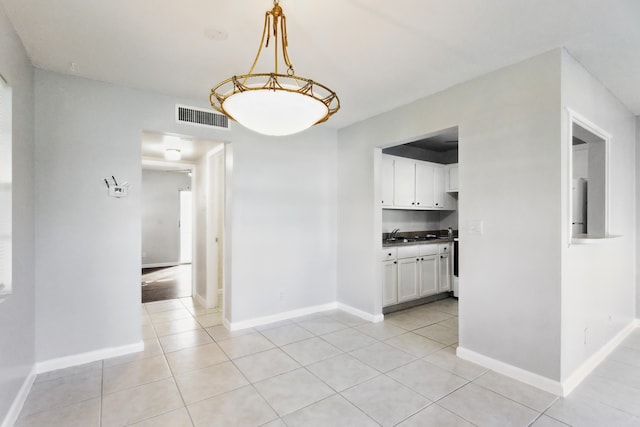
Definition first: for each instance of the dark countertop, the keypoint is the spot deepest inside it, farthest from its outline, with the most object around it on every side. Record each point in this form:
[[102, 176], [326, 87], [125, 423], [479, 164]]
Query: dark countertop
[[402, 242]]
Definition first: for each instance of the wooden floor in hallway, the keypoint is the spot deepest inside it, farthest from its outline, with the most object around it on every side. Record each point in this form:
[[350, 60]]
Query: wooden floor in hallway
[[163, 283]]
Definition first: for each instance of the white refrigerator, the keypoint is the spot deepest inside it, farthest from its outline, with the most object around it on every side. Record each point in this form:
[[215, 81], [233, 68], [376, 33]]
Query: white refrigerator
[[579, 206]]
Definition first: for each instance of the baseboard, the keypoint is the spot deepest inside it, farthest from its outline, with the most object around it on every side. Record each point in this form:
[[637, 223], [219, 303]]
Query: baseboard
[[160, 264], [88, 357], [556, 387], [592, 362], [201, 300], [259, 321], [361, 314], [15, 408], [543, 383]]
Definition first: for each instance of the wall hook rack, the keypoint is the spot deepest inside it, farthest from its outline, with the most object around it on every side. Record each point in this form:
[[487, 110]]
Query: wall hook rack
[[115, 189]]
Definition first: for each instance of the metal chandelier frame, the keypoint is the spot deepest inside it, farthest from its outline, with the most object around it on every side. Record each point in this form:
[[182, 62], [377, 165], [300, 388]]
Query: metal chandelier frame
[[274, 19]]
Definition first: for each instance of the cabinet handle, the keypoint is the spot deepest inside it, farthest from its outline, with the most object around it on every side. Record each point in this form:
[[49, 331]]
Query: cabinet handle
[[417, 203], [395, 262], [421, 259], [389, 254], [417, 259], [437, 204], [441, 256], [412, 203]]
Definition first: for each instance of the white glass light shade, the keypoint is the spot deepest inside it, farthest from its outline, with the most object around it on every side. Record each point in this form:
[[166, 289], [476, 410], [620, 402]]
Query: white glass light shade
[[275, 112], [172, 154]]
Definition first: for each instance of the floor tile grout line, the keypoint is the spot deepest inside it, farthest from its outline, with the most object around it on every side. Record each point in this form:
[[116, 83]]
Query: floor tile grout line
[[508, 397]]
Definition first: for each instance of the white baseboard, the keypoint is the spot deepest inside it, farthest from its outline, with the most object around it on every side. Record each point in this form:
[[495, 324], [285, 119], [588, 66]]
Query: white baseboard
[[556, 387], [259, 321], [88, 357], [15, 408], [592, 362], [286, 315], [361, 314], [201, 300], [543, 383]]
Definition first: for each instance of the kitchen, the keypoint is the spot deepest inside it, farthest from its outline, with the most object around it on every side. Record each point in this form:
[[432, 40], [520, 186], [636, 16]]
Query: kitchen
[[419, 202]]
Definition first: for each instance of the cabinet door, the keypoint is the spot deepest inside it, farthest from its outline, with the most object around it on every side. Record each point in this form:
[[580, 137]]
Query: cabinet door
[[407, 279], [389, 282], [387, 180], [428, 275], [438, 187], [444, 273], [404, 182], [424, 185], [452, 178]]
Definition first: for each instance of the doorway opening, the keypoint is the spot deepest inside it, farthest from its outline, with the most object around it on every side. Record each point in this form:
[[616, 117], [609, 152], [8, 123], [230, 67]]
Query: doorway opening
[[182, 219]]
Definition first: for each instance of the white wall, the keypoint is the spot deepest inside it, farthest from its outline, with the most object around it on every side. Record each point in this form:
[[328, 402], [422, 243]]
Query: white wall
[[598, 284], [509, 156], [284, 223], [201, 230], [283, 209], [160, 202], [637, 218], [17, 317]]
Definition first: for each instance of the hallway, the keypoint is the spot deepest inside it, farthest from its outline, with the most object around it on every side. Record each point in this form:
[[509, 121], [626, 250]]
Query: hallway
[[159, 284]]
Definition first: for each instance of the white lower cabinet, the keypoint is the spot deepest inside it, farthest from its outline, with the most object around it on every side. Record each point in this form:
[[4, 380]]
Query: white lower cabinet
[[408, 275], [389, 282], [428, 275], [419, 271], [444, 273]]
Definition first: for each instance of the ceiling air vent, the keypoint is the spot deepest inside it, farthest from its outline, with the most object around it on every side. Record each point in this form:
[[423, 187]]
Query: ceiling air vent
[[201, 117]]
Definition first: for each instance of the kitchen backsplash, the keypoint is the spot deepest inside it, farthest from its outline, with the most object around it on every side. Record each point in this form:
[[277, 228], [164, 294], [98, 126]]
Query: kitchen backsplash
[[407, 220]]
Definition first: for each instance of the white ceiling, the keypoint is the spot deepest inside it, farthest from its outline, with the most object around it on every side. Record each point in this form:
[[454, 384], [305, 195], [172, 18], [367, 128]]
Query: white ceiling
[[191, 149], [376, 54]]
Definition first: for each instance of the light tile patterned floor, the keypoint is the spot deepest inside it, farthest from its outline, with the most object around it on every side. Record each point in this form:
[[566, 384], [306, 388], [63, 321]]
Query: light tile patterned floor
[[327, 369]]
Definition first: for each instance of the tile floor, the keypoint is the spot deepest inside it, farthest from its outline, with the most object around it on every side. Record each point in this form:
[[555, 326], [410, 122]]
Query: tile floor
[[328, 369]]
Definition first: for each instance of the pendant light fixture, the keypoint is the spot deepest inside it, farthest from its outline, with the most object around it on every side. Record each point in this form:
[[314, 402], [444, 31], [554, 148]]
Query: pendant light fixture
[[272, 103]]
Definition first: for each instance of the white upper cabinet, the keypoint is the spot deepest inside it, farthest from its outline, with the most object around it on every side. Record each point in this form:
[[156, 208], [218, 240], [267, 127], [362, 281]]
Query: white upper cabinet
[[438, 185], [452, 178], [404, 183], [425, 188], [414, 184], [387, 180]]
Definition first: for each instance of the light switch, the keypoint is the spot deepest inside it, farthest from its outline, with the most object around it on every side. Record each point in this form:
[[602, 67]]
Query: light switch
[[475, 226]]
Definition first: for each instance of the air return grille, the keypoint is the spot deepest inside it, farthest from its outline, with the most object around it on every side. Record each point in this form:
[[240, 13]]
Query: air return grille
[[201, 117]]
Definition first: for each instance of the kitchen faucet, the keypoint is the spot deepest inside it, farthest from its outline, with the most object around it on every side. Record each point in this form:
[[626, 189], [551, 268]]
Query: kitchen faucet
[[392, 235]]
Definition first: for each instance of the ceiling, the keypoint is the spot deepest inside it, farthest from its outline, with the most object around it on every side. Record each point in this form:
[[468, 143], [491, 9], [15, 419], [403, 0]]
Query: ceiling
[[376, 54], [442, 141], [191, 149]]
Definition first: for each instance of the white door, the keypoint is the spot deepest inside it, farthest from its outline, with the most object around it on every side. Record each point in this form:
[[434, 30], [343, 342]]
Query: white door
[[387, 181], [444, 272], [407, 279], [186, 227], [404, 183], [438, 187], [424, 185], [428, 275], [389, 283]]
